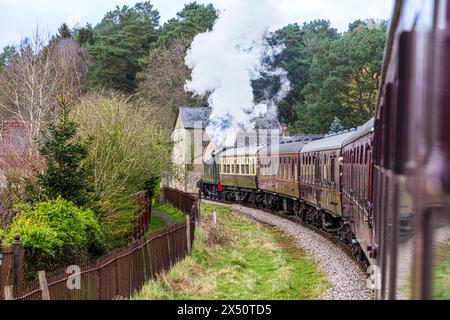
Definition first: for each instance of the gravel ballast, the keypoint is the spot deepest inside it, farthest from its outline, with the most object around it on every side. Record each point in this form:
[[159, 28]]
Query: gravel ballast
[[347, 280]]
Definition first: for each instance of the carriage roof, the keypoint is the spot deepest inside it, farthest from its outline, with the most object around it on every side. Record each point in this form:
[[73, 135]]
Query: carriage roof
[[329, 143], [365, 129], [250, 151], [283, 148]]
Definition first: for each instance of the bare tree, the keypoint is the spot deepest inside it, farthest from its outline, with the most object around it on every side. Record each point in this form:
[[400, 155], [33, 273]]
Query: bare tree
[[37, 74], [162, 81]]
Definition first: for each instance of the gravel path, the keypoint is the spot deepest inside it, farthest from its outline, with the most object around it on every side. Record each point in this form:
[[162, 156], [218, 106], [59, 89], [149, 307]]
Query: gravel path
[[345, 276]]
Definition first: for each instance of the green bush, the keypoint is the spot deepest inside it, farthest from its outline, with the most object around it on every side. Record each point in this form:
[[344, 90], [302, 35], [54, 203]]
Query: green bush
[[118, 220], [55, 233], [127, 153]]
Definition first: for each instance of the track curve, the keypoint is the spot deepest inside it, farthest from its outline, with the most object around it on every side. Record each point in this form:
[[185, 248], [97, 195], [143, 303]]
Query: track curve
[[346, 276]]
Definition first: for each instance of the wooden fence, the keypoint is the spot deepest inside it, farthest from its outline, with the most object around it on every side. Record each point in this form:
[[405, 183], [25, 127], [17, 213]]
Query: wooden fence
[[143, 201], [119, 274], [187, 203]]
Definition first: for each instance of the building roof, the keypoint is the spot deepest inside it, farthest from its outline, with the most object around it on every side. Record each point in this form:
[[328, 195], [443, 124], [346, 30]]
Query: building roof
[[190, 116], [328, 143], [14, 137]]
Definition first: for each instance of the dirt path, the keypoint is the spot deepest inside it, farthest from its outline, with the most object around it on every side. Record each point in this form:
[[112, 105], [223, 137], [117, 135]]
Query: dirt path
[[163, 217]]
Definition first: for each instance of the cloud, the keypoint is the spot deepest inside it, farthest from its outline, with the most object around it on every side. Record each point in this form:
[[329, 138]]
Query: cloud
[[73, 15]]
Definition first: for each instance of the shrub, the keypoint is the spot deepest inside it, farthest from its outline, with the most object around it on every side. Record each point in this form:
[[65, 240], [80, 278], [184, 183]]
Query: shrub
[[127, 153], [55, 233]]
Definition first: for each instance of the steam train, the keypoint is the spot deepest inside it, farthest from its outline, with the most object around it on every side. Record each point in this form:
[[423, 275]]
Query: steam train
[[382, 189]]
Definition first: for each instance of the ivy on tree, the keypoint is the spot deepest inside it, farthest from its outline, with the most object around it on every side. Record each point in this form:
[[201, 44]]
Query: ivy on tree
[[65, 174]]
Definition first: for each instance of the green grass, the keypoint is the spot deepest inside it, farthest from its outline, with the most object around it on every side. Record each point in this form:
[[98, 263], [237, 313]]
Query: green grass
[[156, 224], [239, 259], [171, 212], [441, 281]]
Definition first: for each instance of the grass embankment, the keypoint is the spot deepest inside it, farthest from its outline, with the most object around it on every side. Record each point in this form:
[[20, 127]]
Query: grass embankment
[[441, 270], [172, 213], [239, 259]]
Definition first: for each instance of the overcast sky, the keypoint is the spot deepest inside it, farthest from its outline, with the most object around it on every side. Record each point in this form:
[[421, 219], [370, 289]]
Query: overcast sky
[[18, 18]]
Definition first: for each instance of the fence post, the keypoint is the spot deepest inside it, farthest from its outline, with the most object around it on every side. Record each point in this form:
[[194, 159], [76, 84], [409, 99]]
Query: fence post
[[99, 276], [17, 264], [1, 262], [162, 196], [9, 293], [199, 205], [44, 285], [188, 233]]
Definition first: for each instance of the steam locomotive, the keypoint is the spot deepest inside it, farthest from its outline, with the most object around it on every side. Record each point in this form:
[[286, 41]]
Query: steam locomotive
[[382, 189]]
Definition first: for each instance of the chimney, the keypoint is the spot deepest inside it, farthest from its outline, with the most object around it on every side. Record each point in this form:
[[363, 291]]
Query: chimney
[[285, 130]]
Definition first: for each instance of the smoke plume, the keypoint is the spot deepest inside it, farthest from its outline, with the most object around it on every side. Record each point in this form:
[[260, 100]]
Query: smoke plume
[[224, 62]]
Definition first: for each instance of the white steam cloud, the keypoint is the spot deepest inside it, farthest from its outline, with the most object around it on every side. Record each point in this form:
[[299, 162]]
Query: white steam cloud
[[224, 62]]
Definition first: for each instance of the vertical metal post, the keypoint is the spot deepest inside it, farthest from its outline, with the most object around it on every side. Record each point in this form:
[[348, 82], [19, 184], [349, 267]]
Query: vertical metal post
[[17, 264]]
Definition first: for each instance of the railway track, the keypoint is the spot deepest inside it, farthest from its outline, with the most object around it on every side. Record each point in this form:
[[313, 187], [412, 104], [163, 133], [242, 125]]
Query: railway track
[[363, 264]]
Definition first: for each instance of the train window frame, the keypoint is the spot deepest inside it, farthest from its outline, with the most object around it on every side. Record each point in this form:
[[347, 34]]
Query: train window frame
[[333, 169], [361, 155]]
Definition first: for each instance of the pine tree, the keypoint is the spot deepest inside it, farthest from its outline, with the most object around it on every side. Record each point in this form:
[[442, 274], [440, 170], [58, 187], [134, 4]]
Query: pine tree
[[65, 174], [336, 126], [64, 31]]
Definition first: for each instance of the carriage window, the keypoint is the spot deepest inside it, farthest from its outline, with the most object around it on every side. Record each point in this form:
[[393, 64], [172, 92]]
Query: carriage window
[[361, 154], [333, 177], [367, 155], [247, 168], [292, 170], [238, 169]]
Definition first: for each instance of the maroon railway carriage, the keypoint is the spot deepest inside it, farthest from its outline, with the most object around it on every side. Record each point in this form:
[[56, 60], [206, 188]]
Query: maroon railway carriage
[[357, 198], [412, 155], [278, 176], [320, 182]]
